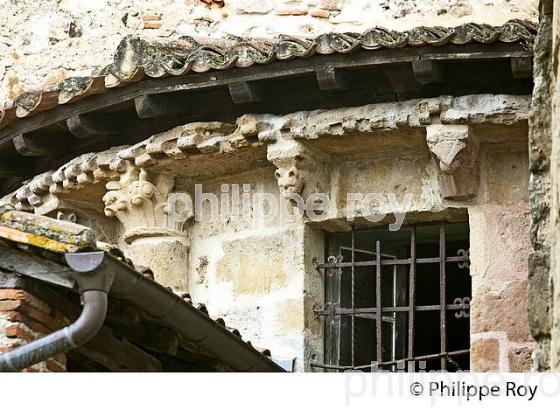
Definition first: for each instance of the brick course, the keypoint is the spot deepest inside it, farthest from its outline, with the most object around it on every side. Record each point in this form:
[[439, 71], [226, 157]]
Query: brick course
[[23, 318]]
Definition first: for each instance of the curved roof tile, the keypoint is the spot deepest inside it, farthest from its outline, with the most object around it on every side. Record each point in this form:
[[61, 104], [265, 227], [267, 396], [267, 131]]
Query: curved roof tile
[[136, 58]]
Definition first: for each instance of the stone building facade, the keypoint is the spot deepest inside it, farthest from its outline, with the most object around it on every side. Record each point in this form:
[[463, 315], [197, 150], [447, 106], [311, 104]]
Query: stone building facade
[[543, 295], [458, 159], [47, 42]]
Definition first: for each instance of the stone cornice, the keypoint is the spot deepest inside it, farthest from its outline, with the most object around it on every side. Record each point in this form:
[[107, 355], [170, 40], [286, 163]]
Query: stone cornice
[[207, 141]]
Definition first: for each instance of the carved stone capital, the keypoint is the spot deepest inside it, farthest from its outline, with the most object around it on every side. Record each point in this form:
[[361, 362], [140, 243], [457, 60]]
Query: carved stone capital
[[300, 169], [455, 152], [139, 201]]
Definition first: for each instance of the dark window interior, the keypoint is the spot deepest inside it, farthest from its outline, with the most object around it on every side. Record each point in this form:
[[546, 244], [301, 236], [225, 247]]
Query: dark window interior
[[354, 345]]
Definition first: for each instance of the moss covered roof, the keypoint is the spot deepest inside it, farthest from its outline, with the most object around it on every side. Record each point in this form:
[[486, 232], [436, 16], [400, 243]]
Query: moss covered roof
[[136, 58]]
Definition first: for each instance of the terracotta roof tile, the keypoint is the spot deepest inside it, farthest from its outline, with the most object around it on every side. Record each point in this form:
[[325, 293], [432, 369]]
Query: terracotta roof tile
[[136, 58]]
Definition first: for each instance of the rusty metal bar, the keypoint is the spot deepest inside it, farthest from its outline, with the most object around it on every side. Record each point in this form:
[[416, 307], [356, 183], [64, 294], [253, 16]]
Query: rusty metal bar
[[389, 309], [378, 301], [442, 312], [412, 292], [391, 362], [353, 318], [376, 313], [391, 262]]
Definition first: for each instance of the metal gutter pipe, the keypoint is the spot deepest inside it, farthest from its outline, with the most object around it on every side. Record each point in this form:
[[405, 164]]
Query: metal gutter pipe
[[96, 274], [185, 319], [94, 282]]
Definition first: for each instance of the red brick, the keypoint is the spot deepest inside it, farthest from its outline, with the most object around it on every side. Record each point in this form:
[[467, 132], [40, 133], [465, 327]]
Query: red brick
[[7, 305], [291, 12], [13, 331], [39, 316], [151, 17], [320, 13], [19, 294], [11, 346], [15, 294], [21, 318], [37, 303], [7, 348], [151, 26]]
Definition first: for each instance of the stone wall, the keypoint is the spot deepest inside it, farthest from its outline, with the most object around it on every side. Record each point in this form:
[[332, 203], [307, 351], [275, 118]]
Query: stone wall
[[552, 68], [540, 148], [458, 158], [42, 42]]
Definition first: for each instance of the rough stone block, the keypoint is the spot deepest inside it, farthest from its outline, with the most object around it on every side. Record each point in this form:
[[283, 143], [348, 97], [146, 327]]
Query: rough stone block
[[485, 355], [520, 359], [290, 315], [254, 7], [502, 310], [256, 265]]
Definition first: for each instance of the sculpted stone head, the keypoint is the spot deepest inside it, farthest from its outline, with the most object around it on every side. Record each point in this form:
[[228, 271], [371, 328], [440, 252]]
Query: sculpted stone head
[[299, 170], [290, 181]]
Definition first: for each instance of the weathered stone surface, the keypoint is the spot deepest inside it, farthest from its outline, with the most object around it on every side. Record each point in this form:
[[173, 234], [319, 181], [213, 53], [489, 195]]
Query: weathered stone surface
[[485, 355], [540, 149], [290, 316], [455, 152], [502, 310], [520, 359], [539, 295], [43, 43], [256, 266], [191, 142], [499, 244], [261, 273]]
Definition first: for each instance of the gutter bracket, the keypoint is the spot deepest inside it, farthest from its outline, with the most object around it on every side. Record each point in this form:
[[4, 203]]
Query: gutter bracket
[[90, 271]]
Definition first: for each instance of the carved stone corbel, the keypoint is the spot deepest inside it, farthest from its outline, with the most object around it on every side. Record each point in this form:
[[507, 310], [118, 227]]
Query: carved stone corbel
[[301, 170], [455, 152], [103, 231], [140, 202]]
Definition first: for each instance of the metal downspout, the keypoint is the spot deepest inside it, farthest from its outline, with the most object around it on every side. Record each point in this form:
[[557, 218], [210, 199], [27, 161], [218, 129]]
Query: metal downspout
[[94, 282]]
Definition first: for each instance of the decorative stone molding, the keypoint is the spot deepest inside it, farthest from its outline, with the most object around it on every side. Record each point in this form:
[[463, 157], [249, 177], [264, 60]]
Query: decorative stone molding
[[204, 141], [455, 152], [76, 213], [139, 201], [140, 204]]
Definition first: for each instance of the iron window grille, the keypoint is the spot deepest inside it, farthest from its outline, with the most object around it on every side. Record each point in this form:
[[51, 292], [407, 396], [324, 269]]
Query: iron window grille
[[386, 313]]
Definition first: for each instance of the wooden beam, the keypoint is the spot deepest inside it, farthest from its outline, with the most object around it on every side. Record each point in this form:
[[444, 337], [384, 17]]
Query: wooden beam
[[330, 78], [427, 71], [245, 92], [522, 67], [155, 106], [40, 145], [118, 354], [87, 126], [402, 79], [281, 69], [149, 336]]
